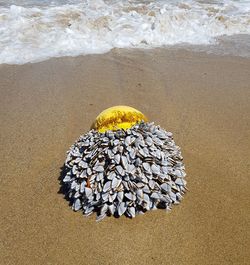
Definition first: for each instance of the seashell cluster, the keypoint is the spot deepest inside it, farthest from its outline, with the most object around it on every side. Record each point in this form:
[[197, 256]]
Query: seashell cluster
[[125, 171]]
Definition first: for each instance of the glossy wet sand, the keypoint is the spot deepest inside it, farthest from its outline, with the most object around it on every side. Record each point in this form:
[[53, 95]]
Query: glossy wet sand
[[203, 99]]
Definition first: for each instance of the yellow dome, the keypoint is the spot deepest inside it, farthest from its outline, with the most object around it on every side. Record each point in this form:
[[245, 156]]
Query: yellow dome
[[118, 117]]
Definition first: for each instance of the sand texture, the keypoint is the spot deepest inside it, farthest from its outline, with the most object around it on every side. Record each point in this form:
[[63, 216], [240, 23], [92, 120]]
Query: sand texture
[[203, 99]]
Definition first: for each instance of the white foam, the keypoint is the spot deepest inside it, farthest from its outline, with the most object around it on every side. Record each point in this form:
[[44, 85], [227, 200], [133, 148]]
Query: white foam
[[34, 33]]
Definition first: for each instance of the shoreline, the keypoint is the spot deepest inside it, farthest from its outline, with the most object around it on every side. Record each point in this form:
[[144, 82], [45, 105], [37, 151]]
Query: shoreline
[[235, 46], [204, 100]]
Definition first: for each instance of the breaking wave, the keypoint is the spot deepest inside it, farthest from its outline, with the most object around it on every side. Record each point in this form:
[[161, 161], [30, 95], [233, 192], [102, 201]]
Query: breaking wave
[[35, 30]]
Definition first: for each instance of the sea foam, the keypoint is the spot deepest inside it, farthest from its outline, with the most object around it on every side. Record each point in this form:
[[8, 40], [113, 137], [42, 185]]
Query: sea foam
[[34, 32]]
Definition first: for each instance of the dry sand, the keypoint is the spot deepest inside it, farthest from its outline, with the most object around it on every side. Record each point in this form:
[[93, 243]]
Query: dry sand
[[203, 99]]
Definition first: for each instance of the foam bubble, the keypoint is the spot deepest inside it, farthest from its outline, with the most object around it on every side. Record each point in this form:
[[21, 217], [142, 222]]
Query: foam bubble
[[32, 33]]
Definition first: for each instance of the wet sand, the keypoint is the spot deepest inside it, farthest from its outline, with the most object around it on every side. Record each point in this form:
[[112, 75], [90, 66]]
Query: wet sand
[[203, 99]]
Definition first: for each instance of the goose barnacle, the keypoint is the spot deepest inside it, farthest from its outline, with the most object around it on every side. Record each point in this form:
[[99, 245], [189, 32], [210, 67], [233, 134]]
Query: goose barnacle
[[124, 165]]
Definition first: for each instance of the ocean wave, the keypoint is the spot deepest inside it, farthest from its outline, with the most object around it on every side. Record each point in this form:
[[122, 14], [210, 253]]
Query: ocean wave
[[33, 33]]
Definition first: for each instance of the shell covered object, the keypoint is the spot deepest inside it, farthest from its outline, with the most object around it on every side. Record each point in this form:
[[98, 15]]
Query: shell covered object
[[124, 165]]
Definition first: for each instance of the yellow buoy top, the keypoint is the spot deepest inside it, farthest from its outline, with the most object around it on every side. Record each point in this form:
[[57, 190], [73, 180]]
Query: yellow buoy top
[[118, 117]]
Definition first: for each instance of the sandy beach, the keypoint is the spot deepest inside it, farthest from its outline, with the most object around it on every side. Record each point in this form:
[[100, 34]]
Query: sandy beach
[[203, 99]]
